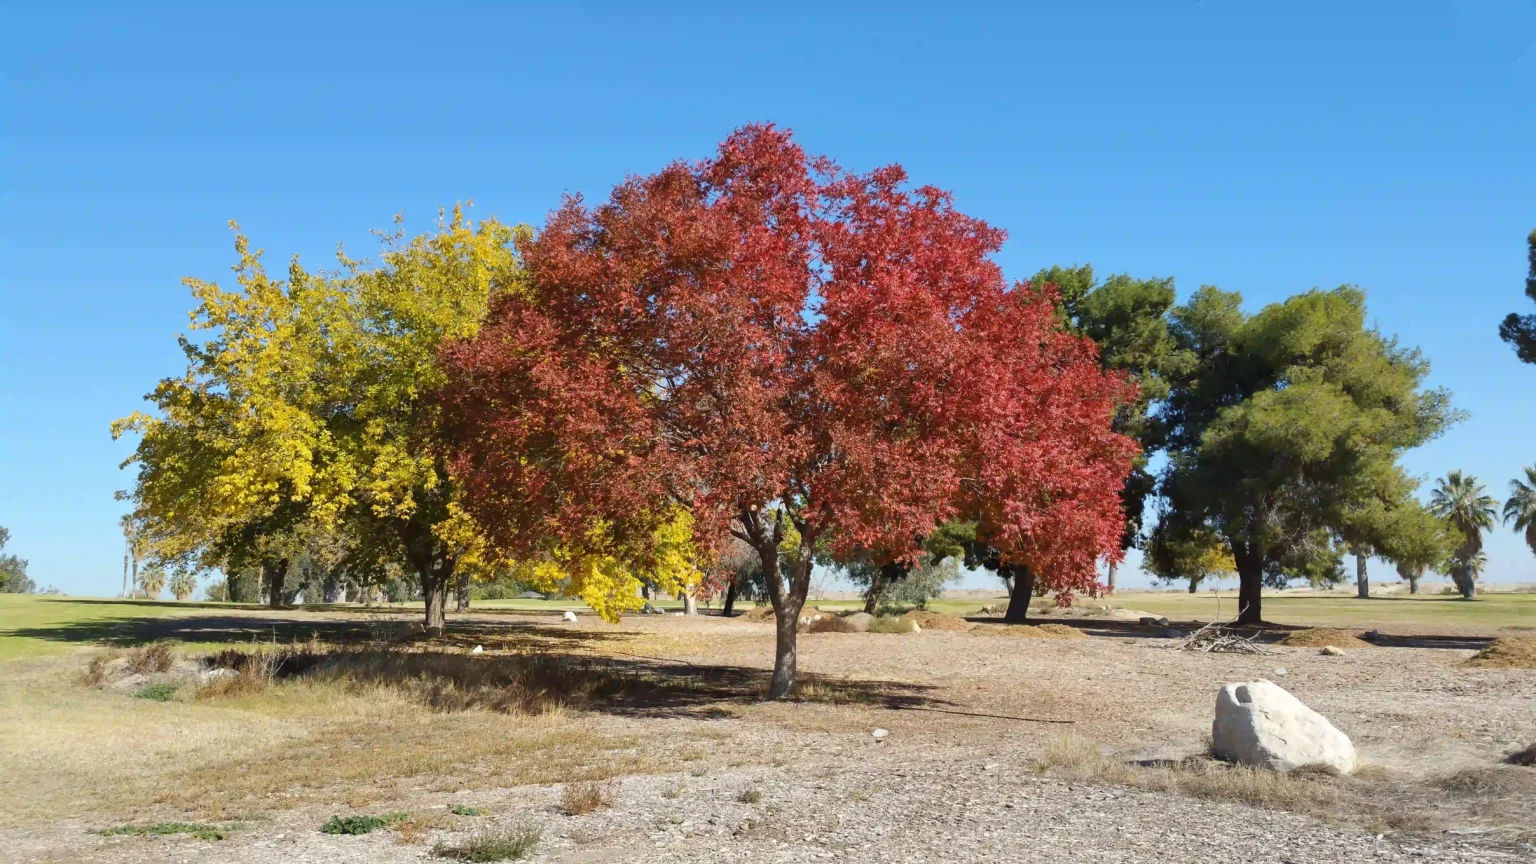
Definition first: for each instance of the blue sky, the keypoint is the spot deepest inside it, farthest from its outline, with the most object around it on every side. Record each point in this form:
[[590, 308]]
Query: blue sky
[[1263, 147]]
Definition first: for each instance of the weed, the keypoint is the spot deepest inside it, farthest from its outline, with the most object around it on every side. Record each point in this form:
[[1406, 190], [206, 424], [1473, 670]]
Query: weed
[[162, 692], [494, 844], [95, 673], [583, 798], [151, 659], [362, 824], [751, 796], [673, 792], [195, 829], [466, 810]]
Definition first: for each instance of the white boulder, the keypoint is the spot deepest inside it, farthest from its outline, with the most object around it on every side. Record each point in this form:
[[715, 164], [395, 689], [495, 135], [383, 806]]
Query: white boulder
[[1259, 724], [569, 617]]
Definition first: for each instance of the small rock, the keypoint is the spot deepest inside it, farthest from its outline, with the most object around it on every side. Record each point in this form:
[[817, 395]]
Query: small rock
[[1371, 635], [479, 649], [879, 734], [916, 628], [1330, 651], [1280, 671], [569, 617], [1150, 621]]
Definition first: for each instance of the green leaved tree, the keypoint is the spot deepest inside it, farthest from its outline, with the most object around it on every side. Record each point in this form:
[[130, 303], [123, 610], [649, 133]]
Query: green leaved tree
[[1284, 434], [1463, 502], [1520, 330]]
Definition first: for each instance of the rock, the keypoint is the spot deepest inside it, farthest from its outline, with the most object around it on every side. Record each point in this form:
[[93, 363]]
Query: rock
[[1153, 622], [568, 617], [916, 627], [1261, 725], [209, 675], [1330, 651], [1280, 671], [648, 609], [879, 734], [479, 649], [858, 622], [1371, 635]]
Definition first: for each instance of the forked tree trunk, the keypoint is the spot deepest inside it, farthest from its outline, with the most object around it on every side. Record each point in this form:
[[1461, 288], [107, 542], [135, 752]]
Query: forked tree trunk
[[1023, 585], [872, 596]]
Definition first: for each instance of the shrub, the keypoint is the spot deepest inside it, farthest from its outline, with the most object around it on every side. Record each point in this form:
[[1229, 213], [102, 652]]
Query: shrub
[[196, 829], [466, 810], [95, 673], [161, 692], [582, 798], [751, 796], [364, 824], [892, 624], [152, 658], [494, 844]]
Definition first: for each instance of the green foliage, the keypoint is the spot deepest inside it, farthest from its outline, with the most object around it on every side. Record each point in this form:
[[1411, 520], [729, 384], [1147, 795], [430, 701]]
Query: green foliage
[[751, 796], [152, 580], [1193, 555], [466, 810], [182, 584], [1419, 542], [1520, 330], [160, 692], [510, 843], [13, 570], [1128, 318], [1286, 430], [1465, 505], [1520, 509], [199, 830], [361, 824]]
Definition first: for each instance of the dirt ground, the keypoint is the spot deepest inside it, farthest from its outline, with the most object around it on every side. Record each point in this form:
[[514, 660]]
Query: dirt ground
[[998, 749]]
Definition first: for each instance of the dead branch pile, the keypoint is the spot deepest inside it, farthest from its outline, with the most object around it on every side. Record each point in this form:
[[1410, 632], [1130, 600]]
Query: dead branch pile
[[1218, 637]]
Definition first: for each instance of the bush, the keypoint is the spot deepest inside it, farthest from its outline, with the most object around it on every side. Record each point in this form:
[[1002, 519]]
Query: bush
[[162, 692], [354, 825], [196, 829], [466, 810], [494, 844], [751, 796], [151, 659], [582, 798]]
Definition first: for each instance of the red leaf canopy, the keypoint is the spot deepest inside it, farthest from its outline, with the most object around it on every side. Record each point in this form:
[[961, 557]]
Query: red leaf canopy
[[764, 329]]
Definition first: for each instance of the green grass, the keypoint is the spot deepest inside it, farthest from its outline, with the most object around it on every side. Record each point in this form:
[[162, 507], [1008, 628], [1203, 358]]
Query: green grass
[[25, 620], [466, 810], [361, 824], [1342, 609], [197, 829]]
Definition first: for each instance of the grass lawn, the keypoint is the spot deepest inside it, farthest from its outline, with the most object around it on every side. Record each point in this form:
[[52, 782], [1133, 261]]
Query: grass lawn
[[27, 621], [1426, 612]]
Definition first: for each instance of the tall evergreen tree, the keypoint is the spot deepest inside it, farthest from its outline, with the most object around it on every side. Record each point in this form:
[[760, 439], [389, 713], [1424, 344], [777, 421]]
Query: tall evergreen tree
[[1520, 330], [1285, 433]]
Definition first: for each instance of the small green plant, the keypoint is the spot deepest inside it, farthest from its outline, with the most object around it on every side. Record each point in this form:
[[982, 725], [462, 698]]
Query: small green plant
[[892, 624], [751, 796], [494, 844], [362, 824], [195, 829], [162, 692], [466, 810]]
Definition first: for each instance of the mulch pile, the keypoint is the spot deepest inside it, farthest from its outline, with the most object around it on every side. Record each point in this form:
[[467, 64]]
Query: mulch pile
[[938, 621], [1507, 652], [1323, 636]]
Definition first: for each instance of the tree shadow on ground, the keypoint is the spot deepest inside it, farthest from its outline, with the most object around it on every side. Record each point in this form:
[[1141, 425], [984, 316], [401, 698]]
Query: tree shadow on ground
[[524, 666], [1267, 633]]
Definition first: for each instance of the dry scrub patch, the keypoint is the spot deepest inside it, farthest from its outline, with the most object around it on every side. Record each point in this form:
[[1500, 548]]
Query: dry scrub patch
[[1508, 652], [1321, 637], [938, 621], [586, 797], [1035, 631]]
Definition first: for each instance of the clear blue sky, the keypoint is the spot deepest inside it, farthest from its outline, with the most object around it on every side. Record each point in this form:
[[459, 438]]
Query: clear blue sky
[[1262, 147]]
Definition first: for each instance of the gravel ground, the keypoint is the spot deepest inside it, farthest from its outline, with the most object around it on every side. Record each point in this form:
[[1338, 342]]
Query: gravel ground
[[955, 779]]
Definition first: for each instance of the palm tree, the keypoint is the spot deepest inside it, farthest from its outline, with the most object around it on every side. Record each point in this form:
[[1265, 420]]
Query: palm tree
[[132, 552], [1521, 506], [152, 581], [1462, 501]]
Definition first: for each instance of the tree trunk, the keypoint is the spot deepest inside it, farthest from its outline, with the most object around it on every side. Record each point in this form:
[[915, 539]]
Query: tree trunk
[[730, 600], [135, 583], [1465, 582], [1018, 601], [1194, 585], [1362, 583], [434, 593], [1113, 566], [1250, 588], [1413, 584], [461, 590], [275, 573], [872, 596], [690, 605]]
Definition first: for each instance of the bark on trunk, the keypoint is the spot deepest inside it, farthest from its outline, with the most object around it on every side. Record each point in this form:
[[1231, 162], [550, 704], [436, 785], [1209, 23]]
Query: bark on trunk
[[1018, 601], [434, 591], [275, 574], [786, 621], [1194, 585], [1250, 597], [1465, 583], [872, 596], [461, 591], [690, 605], [730, 600], [1362, 583], [125, 576], [1413, 584], [1113, 566]]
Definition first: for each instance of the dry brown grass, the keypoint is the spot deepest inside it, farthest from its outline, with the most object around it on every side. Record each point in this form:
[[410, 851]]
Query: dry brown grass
[[1036, 631], [938, 621], [830, 623], [1323, 636], [586, 797], [96, 672], [1508, 652], [151, 659]]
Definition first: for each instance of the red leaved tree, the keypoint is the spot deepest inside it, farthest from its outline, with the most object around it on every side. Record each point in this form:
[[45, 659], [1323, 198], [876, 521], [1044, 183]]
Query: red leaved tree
[[790, 351]]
